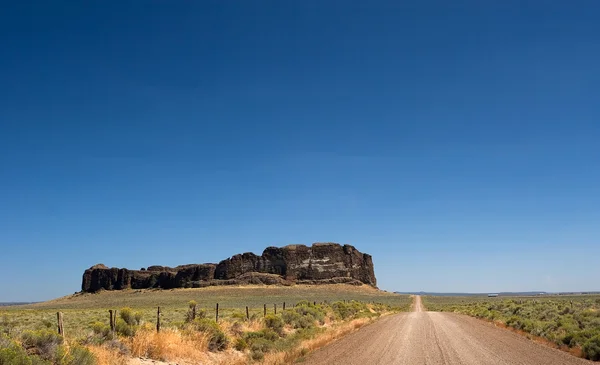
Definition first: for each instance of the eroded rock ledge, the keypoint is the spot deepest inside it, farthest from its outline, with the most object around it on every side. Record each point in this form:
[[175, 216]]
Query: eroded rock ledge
[[321, 263]]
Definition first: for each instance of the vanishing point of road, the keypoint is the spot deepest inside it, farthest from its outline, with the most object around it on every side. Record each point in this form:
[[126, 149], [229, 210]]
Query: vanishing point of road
[[435, 338]]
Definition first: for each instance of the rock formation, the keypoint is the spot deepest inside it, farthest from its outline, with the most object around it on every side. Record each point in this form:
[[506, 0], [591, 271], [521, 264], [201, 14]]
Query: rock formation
[[323, 263]]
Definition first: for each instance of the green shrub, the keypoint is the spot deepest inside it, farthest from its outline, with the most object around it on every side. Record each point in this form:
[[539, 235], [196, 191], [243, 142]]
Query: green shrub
[[591, 348], [306, 333], [275, 323], [316, 312], [13, 354], [305, 322], [266, 334], [47, 323], [138, 317], [583, 336], [240, 344], [5, 341], [79, 355], [304, 316], [49, 354], [260, 347], [349, 310], [7, 325], [190, 315], [41, 338], [101, 329], [124, 329], [290, 317], [566, 310], [61, 356], [218, 340], [567, 339], [206, 325], [263, 345], [238, 315], [128, 316], [46, 342]]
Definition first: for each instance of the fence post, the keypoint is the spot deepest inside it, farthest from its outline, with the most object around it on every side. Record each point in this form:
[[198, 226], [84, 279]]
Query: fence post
[[275, 308], [61, 330], [247, 314], [112, 320], [283, 305], [217, 313], [194, 312], [158, 320], [265, 310]]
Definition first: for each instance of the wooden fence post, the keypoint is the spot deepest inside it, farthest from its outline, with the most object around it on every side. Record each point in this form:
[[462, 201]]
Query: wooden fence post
[[193, 312], [283, 305], [247, 314], [112, 320], [275, 308], [265, 310], [158, 320], [61, 330], [217, 313]]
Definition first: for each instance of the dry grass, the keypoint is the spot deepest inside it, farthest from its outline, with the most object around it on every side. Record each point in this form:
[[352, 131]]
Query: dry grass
[[106, 356], [334, 334], [169, 345], [331, 334], [174, 345], [187, 347]]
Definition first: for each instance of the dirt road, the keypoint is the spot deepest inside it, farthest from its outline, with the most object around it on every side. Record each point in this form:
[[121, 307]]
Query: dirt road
[[433, 338]]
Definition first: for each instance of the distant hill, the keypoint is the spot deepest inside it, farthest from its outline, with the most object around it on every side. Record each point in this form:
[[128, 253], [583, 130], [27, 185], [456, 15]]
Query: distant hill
[[500, 294], [512, 294], [6, 304]]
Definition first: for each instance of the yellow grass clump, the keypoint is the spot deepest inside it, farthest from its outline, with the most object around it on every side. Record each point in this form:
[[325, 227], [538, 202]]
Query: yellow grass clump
[[169, 344], [106, 356]]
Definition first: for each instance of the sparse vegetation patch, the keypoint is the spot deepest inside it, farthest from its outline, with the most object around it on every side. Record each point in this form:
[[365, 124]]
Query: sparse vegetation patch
[[189, 332]]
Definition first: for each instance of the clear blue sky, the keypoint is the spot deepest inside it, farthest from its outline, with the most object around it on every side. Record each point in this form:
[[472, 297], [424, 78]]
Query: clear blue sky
[[459, 144]]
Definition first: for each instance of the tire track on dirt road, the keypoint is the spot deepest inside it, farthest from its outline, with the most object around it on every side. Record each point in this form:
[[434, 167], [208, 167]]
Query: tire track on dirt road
[[435, 338]]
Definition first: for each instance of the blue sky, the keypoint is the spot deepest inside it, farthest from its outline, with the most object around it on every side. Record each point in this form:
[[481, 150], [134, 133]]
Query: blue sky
[[457, 143]]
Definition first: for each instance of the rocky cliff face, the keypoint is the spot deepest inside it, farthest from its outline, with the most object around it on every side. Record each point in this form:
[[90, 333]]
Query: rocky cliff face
[[321, 263]]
